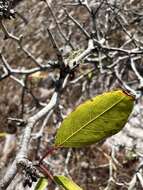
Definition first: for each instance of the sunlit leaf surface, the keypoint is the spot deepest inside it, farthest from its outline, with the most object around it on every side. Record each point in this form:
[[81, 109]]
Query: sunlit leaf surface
[[95, 120], [42, 184], [66, 183]]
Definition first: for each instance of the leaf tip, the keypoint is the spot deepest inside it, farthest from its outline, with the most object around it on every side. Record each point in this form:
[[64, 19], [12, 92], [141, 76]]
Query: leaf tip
[[129, 94]]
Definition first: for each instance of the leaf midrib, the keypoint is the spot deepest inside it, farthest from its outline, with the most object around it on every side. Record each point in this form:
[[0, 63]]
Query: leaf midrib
[[82, 127]]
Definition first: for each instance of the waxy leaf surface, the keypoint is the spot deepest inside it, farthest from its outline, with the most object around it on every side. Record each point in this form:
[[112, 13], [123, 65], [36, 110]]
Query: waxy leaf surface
[[66, 183], [42, 184], [95, 120]]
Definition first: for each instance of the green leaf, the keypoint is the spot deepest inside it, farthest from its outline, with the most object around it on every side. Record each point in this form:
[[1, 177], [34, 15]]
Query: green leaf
[[66, 183], [95, 120], [42, 184]]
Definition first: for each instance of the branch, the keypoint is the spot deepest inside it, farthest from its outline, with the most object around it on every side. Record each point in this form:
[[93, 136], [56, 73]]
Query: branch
[[23, 152]]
